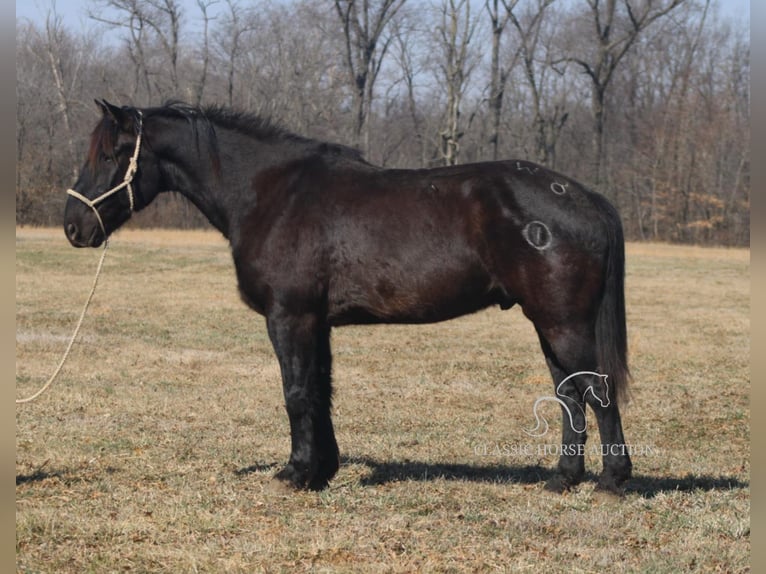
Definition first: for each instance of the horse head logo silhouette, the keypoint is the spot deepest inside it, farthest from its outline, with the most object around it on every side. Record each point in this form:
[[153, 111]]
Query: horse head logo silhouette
[[602, 391]]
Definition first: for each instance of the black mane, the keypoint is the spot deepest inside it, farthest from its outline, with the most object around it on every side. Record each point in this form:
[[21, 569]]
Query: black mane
[[247, 123], [250, 124]]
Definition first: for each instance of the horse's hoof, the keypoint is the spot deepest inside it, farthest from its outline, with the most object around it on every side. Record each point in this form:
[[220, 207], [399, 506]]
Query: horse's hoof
[[291, 478], [609, 486], [326, 471], [558, 484], [318, 484]]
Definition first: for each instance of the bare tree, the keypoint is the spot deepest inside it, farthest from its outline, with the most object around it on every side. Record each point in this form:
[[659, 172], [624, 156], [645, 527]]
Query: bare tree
[[408, 55], [498, 73], [546, 126], [199, 91], [64, 80], [228, 37], [134, 23], [167, 27], [289, 68], [364, 24], [614, 35], [456, 64], [161, 18], [53, 67]]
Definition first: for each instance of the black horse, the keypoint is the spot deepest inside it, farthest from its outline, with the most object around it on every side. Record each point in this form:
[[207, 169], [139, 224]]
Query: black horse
[[321, 238]]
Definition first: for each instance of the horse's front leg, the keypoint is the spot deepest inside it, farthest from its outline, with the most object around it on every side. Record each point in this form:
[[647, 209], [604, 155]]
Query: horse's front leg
[[302, 345]]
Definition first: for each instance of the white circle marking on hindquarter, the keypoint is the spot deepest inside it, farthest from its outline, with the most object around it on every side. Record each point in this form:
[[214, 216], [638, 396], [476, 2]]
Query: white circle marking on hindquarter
[[559, 188], [537, 234]]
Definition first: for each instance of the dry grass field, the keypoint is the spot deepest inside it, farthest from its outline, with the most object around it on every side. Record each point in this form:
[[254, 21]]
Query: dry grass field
[[153, 451]]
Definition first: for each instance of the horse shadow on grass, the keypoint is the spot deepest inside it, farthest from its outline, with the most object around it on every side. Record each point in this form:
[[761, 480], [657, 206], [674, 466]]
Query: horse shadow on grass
[[38, 475], [387, 472], [646, 486], [63, 474], [66, 475]]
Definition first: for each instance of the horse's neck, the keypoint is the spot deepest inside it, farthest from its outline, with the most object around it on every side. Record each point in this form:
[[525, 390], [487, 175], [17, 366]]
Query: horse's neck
[[196, 179], [221, 185]]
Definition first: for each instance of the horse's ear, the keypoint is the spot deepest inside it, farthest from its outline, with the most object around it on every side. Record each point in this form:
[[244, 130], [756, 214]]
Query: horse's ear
[[102, 106], [123, 117], [109, 110]]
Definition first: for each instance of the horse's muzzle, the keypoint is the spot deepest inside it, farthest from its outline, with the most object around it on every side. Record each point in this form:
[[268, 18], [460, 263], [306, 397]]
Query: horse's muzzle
[[79, 239]]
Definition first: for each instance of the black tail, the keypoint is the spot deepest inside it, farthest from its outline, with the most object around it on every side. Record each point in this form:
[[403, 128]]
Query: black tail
[[611, 331]]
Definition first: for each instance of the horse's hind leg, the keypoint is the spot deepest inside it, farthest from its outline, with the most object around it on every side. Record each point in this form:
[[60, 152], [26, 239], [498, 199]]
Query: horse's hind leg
[[569, 350], [564, 356], [302, 345], [614, 452]]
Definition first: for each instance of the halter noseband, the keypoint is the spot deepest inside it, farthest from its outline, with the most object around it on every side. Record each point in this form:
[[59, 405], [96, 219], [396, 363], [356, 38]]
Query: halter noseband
[[127, 181]]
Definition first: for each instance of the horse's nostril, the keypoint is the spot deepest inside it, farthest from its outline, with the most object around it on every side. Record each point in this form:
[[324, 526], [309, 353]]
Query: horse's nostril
[[71, 231]]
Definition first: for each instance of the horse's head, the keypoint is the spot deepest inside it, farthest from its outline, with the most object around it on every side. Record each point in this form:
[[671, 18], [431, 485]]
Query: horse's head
[[120, 176]]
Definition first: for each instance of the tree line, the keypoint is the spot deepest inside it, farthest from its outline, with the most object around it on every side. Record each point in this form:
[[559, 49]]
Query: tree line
[[646, 101]]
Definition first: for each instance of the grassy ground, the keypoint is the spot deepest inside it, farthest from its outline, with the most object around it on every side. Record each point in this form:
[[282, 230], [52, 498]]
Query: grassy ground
[[153, 451]]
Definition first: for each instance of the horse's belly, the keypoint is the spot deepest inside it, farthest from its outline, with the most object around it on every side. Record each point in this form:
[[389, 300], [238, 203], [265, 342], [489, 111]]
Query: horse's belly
[[419, 298]]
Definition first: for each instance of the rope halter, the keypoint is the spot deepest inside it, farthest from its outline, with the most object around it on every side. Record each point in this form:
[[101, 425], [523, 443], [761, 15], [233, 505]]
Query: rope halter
[[127, 181]]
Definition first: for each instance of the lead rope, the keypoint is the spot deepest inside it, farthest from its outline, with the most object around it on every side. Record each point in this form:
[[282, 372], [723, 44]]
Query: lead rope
[[127, 183], [74, 335]]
